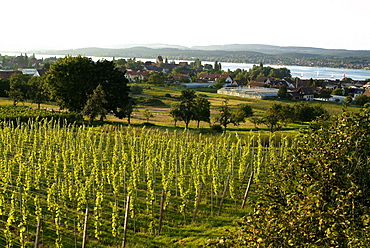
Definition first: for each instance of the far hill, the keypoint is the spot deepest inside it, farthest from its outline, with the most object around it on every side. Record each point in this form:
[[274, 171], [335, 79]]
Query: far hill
[[241, 53], [273, 50]]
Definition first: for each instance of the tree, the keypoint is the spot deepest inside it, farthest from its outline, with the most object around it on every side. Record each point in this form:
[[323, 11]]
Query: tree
[[70, 82], [226, 116], [147, 114], [202, 110], [318, 194], [279, 73], [256, 121], [95, 105], [134, 65], [175, 113], [348, 100], [136, 89], [115, 87], [187, 106], [4, 87], [18, 87], [273, 117], [37, 92], [220, 82], [155, 78], [361, 100], [197, 64], [283, 91], [216, 66], [127, 110], [72, 79], [242, 112], [347, 79], [304, 112], [337, 91], [325, 93]]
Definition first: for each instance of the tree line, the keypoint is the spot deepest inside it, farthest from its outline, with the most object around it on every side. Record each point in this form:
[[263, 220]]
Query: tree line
[[197, 108], [77, 84]]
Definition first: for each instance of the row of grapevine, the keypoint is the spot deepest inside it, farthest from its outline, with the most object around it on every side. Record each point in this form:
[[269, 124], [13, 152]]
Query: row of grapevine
[[55, 172]]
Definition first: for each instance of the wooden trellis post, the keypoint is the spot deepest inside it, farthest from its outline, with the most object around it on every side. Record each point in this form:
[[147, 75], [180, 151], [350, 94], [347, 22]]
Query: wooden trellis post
[[247, 190], [223, 195], [85, 228], [198, 201], [37, 232], [161, 211], [125, 223]]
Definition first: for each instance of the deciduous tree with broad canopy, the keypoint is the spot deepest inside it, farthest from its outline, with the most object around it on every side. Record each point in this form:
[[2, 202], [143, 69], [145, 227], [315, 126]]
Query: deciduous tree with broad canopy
[[71, 80], [191, 107], [227, 116]]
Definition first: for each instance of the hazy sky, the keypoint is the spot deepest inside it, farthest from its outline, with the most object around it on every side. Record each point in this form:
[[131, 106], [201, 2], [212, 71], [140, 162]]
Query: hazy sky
[[46, 24]]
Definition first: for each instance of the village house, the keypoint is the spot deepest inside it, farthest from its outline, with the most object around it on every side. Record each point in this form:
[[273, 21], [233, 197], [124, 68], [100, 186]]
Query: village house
[[355, 91], [308, 93], [181, 78], [205, 77], [34, 72], [150, 66], [367, 93], [256, 84], [254, 93], [7, 74], [136, 76]]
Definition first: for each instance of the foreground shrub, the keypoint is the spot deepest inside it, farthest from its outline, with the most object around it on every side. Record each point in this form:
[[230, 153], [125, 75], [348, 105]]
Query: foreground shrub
[[23, 114], [318, 195]]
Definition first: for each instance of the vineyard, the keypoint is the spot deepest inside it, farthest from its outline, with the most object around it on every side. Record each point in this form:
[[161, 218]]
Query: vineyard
[[66, 186]]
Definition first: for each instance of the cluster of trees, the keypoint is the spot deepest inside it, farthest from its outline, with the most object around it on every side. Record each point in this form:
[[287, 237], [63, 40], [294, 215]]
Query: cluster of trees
[[132, 63], [77, 84], [197, 108], [260, 71], [361, 100], [228, 116], [21, 87], [81, 85], [278, 115], [24, 61], [191, 107], [263, 71]]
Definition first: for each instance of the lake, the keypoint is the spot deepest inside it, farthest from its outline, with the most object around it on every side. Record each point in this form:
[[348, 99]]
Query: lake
[[306, 72], [303, 72]]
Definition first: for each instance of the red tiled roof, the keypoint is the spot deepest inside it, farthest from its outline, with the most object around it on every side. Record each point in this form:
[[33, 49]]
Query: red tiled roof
[[144, 73], [367, 93], [132, 73], [256, 84], [183, 63], [8, 74]]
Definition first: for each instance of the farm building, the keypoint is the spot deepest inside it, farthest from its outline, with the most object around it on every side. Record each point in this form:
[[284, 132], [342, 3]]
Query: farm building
[[255, 93]]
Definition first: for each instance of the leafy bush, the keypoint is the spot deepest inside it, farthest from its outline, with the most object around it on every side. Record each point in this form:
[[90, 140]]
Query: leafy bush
[[136, 89], [217, 128], [23, 114], [318, 195], [155, 102]]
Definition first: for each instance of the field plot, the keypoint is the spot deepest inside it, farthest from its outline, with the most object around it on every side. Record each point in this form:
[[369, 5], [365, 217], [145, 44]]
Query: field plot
[[61, 183]]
